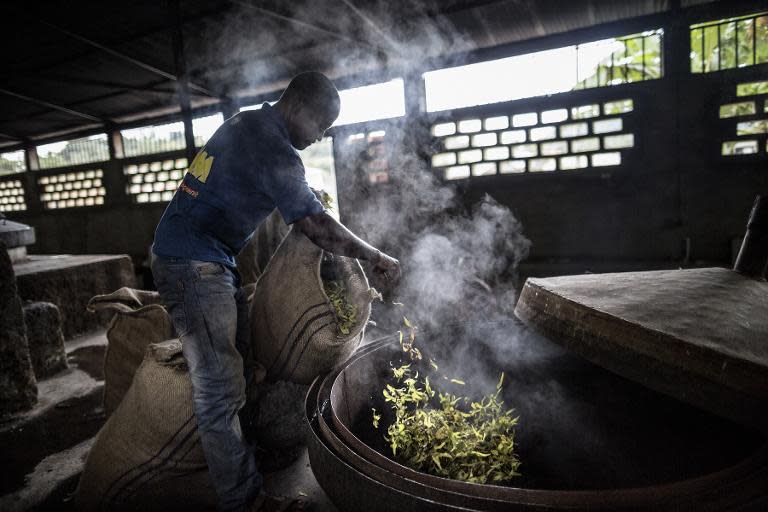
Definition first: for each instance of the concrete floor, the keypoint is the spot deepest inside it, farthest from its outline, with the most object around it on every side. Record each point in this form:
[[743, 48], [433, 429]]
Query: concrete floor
[[44, 449]]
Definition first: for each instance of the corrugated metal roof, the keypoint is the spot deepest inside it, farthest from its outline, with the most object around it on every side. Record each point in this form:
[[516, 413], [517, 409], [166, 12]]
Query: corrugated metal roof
[[68, 63]]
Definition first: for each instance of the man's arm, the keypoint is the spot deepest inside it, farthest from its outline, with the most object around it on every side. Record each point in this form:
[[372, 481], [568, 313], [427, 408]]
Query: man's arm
[[330, 235]]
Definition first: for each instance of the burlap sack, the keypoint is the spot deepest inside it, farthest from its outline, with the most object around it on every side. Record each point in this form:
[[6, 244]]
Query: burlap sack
[[148, 454], [255, 256], [278, 429], [139, 320], [293, 325]]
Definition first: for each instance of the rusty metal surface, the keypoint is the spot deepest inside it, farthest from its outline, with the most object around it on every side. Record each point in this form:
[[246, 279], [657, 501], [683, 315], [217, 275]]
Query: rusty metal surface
[[738, 483], [697, 335]]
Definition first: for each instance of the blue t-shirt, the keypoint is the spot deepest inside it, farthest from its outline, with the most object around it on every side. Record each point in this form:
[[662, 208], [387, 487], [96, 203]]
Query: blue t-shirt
[[246, 170]]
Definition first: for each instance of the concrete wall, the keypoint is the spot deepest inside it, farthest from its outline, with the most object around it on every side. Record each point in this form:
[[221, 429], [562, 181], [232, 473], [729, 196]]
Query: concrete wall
[[673, 187], [675, 200]]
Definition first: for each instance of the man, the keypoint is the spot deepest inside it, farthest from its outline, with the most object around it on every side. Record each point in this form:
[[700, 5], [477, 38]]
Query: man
[[246, 170]]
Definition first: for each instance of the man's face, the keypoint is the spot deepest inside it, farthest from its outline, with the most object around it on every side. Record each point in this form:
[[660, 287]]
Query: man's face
[[309, 127]]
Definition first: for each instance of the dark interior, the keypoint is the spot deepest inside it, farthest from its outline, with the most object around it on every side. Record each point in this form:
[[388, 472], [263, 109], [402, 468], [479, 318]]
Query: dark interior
[[581, 427]]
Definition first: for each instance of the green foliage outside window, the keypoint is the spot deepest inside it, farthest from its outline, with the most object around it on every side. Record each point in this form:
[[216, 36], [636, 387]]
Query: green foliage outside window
[[752, 88], [12, 162], [74, 152], [638, 57], [729, 43], [153, 139], [743, 108]]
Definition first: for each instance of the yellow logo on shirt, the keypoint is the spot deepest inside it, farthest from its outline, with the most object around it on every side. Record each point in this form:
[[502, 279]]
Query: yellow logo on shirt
[[201, 166]]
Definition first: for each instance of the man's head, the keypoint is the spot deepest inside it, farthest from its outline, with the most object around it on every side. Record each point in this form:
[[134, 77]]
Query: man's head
[[309, 106]]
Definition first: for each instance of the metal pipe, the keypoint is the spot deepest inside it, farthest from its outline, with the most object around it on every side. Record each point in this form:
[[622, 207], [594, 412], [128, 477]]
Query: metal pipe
[[752, 260]]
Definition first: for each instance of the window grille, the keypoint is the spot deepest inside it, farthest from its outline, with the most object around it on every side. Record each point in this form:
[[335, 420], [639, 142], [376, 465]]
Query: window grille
[[371, 102], [368, 153], [729, 43], [320, 170], [72, 189], [153, 182], [744, 117], [80, 151], [561, 139], [12, 162], [146, 140], [614, 61], [752, 88], [12, 196], [739, 147]]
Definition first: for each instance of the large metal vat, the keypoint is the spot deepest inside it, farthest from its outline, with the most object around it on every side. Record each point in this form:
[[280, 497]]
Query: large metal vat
[[588, 439]]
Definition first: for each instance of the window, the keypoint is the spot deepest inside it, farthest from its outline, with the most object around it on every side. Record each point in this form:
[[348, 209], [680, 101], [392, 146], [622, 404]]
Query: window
[[614, 61], [632, 58], [729, 43], [544, 141], [617, 107], [743, 108], [74, 152], [321, 171], [366, 152], [12, 162], [153, 182], [72, 189], [752, 127], [752, 88], [371, 102], [739, 147], [153, 139], [743, 115], [554, 116], [12, 196], [203, 128]]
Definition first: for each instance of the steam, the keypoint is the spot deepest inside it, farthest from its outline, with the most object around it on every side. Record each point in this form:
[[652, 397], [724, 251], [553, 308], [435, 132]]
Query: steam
[[255, 47], [460, 261]]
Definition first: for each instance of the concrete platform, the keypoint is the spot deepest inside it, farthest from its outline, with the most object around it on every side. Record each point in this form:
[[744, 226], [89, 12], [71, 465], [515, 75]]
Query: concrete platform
[[44, 450], [699, 335], [69, 281]]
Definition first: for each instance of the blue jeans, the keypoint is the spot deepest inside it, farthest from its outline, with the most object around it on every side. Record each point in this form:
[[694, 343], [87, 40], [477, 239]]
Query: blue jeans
[[209, 310]]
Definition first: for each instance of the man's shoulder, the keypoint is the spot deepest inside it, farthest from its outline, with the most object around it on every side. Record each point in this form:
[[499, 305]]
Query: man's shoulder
[[262, 128], [247, 120]]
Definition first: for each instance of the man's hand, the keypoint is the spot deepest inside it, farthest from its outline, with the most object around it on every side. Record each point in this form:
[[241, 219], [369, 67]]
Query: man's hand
[[386, 270], [328, 234]]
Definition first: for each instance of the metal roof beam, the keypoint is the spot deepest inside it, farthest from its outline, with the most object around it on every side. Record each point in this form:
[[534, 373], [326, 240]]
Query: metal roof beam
[[118, 54], [153, 87], [295, 21], [360, 14], [53, 106], [11, 137], [128, 39], [106, 96]]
